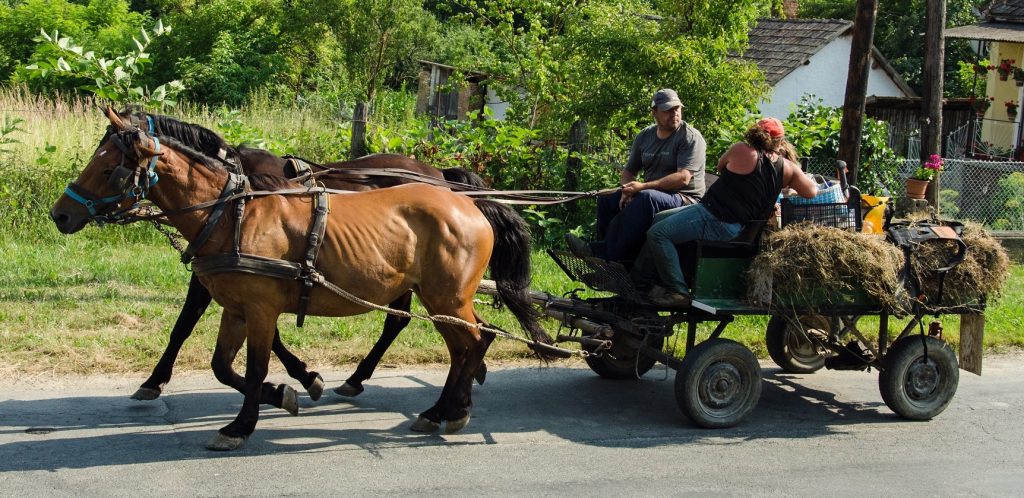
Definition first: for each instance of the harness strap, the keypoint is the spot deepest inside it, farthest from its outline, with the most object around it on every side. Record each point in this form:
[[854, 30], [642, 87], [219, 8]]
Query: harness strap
[[239, 213], [300, 171], [321, 206], [247, 263], [235, 184]]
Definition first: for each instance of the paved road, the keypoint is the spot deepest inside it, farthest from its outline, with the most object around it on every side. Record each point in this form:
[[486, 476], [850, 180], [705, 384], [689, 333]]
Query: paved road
[[551, 431]]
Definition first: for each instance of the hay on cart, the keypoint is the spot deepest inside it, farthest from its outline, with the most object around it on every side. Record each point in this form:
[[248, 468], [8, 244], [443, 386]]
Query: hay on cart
[[807, 264], [980, 276]]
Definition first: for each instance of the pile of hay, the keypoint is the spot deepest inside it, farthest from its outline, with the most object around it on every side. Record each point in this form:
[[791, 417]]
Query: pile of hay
[[809, 263], [983, 272]]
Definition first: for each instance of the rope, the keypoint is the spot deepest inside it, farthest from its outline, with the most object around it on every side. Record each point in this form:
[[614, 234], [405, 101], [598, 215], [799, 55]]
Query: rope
[[318, 278]]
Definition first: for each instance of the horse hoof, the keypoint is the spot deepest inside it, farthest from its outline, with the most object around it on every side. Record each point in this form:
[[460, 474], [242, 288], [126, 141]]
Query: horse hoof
[[146, 394], [453, 426], [481, 374], [423, 424], [221, 442], [348, 390], [290, 400], [316, 389]]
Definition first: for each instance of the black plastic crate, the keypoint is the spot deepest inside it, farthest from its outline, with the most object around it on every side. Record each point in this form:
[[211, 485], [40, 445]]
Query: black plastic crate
[[846, 216]]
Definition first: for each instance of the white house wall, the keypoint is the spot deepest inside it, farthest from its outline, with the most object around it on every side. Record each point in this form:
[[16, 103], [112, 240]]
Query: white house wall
[[825, 77], [497, 106]]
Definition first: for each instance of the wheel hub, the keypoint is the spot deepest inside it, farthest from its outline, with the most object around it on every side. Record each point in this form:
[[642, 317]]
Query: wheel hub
[[721, 385], [922, 380]]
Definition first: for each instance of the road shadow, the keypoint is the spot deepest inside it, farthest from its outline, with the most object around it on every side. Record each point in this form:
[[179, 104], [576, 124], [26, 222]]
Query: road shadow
[[516, 404]]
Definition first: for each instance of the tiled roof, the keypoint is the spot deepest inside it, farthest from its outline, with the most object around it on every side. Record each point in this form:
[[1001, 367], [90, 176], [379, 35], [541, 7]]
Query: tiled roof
[[778, 46], [1005, 10]]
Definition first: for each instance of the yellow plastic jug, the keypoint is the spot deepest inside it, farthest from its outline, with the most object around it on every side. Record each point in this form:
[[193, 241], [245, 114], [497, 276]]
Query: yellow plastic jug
[[874, 212]]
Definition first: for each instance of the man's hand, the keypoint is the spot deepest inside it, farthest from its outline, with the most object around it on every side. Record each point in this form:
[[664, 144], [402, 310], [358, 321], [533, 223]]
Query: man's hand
[[628, 191]]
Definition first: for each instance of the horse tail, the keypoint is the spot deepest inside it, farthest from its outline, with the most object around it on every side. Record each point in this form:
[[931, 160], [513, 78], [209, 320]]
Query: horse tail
[[510, 265], [465, 176]]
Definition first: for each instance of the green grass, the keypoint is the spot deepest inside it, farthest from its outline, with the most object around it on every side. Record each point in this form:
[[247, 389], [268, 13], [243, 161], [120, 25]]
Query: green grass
[[84, 304]]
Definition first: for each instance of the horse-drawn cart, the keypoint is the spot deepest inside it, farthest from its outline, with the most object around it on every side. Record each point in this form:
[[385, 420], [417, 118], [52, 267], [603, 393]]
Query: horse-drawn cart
[[718, 380]]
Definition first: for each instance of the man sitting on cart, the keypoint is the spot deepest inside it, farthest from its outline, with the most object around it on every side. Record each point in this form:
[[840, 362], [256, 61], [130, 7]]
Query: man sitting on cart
[[671, 156], [752, 174]]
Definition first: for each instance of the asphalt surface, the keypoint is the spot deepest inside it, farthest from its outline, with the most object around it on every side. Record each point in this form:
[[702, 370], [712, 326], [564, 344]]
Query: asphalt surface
[[536, 431]]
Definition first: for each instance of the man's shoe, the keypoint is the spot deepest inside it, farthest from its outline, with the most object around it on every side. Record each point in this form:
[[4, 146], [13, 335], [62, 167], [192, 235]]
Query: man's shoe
[[577, 246], [665, 298]]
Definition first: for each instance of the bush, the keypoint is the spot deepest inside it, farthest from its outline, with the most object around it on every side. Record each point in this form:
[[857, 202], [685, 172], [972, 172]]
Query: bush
[[1008, 202], [813, 128]]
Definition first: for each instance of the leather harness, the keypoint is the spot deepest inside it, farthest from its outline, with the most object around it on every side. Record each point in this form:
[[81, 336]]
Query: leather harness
[[237, 261]]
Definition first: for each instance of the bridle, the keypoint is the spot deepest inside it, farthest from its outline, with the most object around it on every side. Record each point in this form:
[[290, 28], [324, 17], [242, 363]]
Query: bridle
[[130, 182]]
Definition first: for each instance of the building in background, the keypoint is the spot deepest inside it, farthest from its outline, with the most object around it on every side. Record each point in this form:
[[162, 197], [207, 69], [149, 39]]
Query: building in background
[[812, 56]]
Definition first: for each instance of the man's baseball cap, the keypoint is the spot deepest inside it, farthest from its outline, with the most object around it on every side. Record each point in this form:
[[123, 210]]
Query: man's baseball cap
[[666, 99], [772, 126]]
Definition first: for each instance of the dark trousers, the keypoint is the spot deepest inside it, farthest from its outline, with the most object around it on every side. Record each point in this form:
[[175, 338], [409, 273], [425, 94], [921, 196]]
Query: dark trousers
[[624, 230]]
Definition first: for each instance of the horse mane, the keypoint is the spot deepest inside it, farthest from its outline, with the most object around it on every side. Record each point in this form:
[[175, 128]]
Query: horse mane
[[258, 181], [191, 135]]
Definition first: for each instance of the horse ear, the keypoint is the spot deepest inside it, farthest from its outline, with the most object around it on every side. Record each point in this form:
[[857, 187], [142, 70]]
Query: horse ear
[[115, 120], [146, 151]]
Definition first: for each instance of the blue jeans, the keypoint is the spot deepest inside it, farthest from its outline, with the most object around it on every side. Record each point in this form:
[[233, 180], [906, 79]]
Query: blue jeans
[[623, 230], [686, 224]]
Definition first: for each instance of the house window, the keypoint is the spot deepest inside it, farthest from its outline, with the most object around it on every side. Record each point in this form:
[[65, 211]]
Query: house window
[[444, 101]]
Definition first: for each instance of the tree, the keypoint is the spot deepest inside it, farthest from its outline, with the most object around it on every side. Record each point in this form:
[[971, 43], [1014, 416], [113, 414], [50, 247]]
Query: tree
[[382, 39], [107, 26], [116, 79], [601, 60]]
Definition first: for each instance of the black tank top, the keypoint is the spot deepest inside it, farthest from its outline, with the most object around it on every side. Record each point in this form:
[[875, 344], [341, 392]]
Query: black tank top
[[741, 198]]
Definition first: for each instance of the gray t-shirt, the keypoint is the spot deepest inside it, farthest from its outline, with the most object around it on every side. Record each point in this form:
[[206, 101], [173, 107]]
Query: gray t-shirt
[[656, 157]]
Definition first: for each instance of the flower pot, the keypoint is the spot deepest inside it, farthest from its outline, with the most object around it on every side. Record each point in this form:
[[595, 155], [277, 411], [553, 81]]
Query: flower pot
[[916, 188], [1018, 82], [1002, 77], [1012, 115]]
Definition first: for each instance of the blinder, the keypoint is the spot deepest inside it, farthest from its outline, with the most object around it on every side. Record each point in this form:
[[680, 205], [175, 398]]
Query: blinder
[[128, 182]]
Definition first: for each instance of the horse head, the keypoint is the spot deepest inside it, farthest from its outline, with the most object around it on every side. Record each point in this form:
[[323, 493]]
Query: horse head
[[120, 173]]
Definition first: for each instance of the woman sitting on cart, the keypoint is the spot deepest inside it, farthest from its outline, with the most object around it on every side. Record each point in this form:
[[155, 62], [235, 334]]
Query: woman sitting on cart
[[752, 174]]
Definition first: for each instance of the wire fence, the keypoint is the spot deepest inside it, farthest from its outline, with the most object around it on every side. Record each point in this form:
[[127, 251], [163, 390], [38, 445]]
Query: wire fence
[[987, 192]]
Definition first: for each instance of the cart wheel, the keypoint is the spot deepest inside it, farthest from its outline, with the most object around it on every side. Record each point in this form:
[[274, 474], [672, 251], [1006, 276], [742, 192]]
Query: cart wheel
[[621, 362], [916, 389], [789, 349], [719, 383]]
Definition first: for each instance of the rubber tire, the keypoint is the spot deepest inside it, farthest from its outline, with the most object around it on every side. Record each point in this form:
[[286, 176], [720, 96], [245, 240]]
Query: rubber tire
[[788, 349], [708, 363], [937, 383], [624, 365]]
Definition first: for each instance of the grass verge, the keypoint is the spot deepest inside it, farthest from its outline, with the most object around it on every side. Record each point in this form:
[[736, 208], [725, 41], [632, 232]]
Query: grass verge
[[80, 305]]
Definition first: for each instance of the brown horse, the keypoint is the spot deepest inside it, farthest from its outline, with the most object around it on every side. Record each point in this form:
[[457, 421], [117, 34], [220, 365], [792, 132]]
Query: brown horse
[[377, 244], [255, 161]]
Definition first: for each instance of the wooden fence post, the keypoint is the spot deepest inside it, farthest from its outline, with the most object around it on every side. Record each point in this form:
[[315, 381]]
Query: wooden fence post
[[358, 147], [577, 141]]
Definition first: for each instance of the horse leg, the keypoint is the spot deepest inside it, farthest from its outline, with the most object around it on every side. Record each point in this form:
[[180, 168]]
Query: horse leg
[[392, 326], [467, 348], [353, 386], [229, 340], [196, 301], [296, 368], [258, 335]]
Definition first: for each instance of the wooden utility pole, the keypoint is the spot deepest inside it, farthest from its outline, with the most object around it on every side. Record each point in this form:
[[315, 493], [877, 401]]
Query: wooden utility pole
[[358, 147], [577, 140], [931, 101], [857, 86]]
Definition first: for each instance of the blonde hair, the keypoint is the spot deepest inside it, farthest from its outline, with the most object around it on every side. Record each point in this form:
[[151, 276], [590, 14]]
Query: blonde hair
[[788, 151]]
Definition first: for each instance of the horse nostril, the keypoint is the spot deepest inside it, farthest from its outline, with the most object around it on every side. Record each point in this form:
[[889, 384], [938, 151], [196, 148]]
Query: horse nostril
[[58, 218]]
